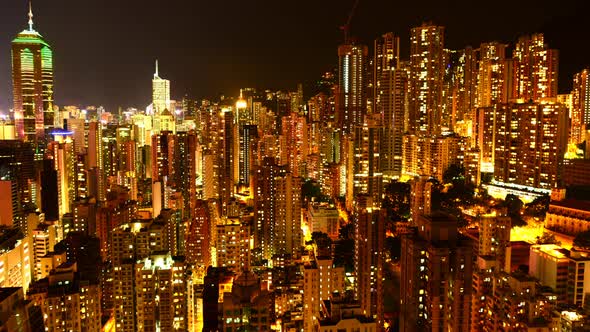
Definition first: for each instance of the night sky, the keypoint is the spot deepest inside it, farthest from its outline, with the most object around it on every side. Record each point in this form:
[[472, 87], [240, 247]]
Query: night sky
[[104, 50]]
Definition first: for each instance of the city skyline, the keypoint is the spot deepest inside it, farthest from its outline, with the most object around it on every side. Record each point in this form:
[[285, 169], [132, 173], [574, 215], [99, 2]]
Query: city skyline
[[300, 49], [434, 181]]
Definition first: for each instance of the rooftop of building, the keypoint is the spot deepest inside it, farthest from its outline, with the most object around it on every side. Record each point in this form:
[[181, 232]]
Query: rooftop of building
[[334, 321], [6, 292], [552, 250], [29, 37], [572, 204], [519, 243], [522, 277], [9, 237]]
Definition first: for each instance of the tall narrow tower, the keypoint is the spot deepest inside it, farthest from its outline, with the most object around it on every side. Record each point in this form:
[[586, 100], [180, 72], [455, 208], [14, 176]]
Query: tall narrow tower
[[427, 73], [32, 81], [389, 93], [352, 96], [581, 106], [160, 93]]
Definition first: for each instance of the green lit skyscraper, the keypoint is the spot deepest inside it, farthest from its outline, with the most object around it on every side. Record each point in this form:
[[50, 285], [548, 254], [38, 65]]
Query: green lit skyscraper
[[32, 79]]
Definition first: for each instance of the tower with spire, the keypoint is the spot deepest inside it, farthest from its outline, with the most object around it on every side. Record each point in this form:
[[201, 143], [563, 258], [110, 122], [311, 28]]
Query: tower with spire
[[32, 81], [160, 93]]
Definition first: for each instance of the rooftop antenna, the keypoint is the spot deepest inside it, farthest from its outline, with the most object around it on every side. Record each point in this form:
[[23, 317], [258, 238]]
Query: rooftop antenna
[[156, 74], [30, 16]]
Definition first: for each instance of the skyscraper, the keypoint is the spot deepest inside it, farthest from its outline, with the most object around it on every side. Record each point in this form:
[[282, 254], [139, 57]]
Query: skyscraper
[[160, 93], [277, 203], [95, 157], [369, 244], [580, 113], [389, 93], [436, 272], [160, 286], [367, 175], [294, 143], [352, 97], [32, 79], [530, 141], [536, 68], [426, 82], [491, 74]]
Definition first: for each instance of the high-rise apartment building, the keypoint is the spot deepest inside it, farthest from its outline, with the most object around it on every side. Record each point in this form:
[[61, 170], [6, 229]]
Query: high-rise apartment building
[[294, 143], [185, 169], [436, 275], [369, 246], [246, 307], [32, 80], [198, 241], [162, 158], [227, 151], [530, 141], [580, 113], [16, 259], [160, 293], [427, 68], [390, 85], [277, 206], [367, 175], [320, 279], [96, 158], [248, 153], [233, 245], [492, 75], [536, 68], [494, 238], [351, 101], [17, 165], [65, 164], [68, 302], [18, 314], [131, 242], [460, 87]]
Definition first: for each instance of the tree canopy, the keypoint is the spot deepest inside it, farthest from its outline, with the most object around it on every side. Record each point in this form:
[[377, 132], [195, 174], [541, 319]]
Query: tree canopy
[[582, 240]]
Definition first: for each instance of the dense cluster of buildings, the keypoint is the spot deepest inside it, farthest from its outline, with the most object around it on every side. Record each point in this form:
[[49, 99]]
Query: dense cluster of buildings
[[198, 216]]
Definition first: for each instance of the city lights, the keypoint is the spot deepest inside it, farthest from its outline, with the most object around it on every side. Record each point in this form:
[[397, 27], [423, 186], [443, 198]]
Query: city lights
[[421, 186]]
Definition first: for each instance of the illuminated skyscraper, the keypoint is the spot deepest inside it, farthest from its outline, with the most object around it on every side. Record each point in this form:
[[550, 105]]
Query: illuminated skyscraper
[[32, 79], [436, 275], [198, 242], [580, 106], [367, 175], [160, 93], [536, 68], [185, 175], [228, 154], [277, 206], [426, 82], [530, 141], [65, 164], [160, 288], [233, 244], [248, 143], [491, 75], [95, 158], [163, 157], [68, 302], [390, 87], [294, 143], [459, 87], [369, 244], [352, 98]]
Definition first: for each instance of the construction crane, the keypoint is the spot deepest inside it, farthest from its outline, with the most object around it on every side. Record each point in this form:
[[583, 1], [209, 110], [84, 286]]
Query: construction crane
[[346, 27]]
